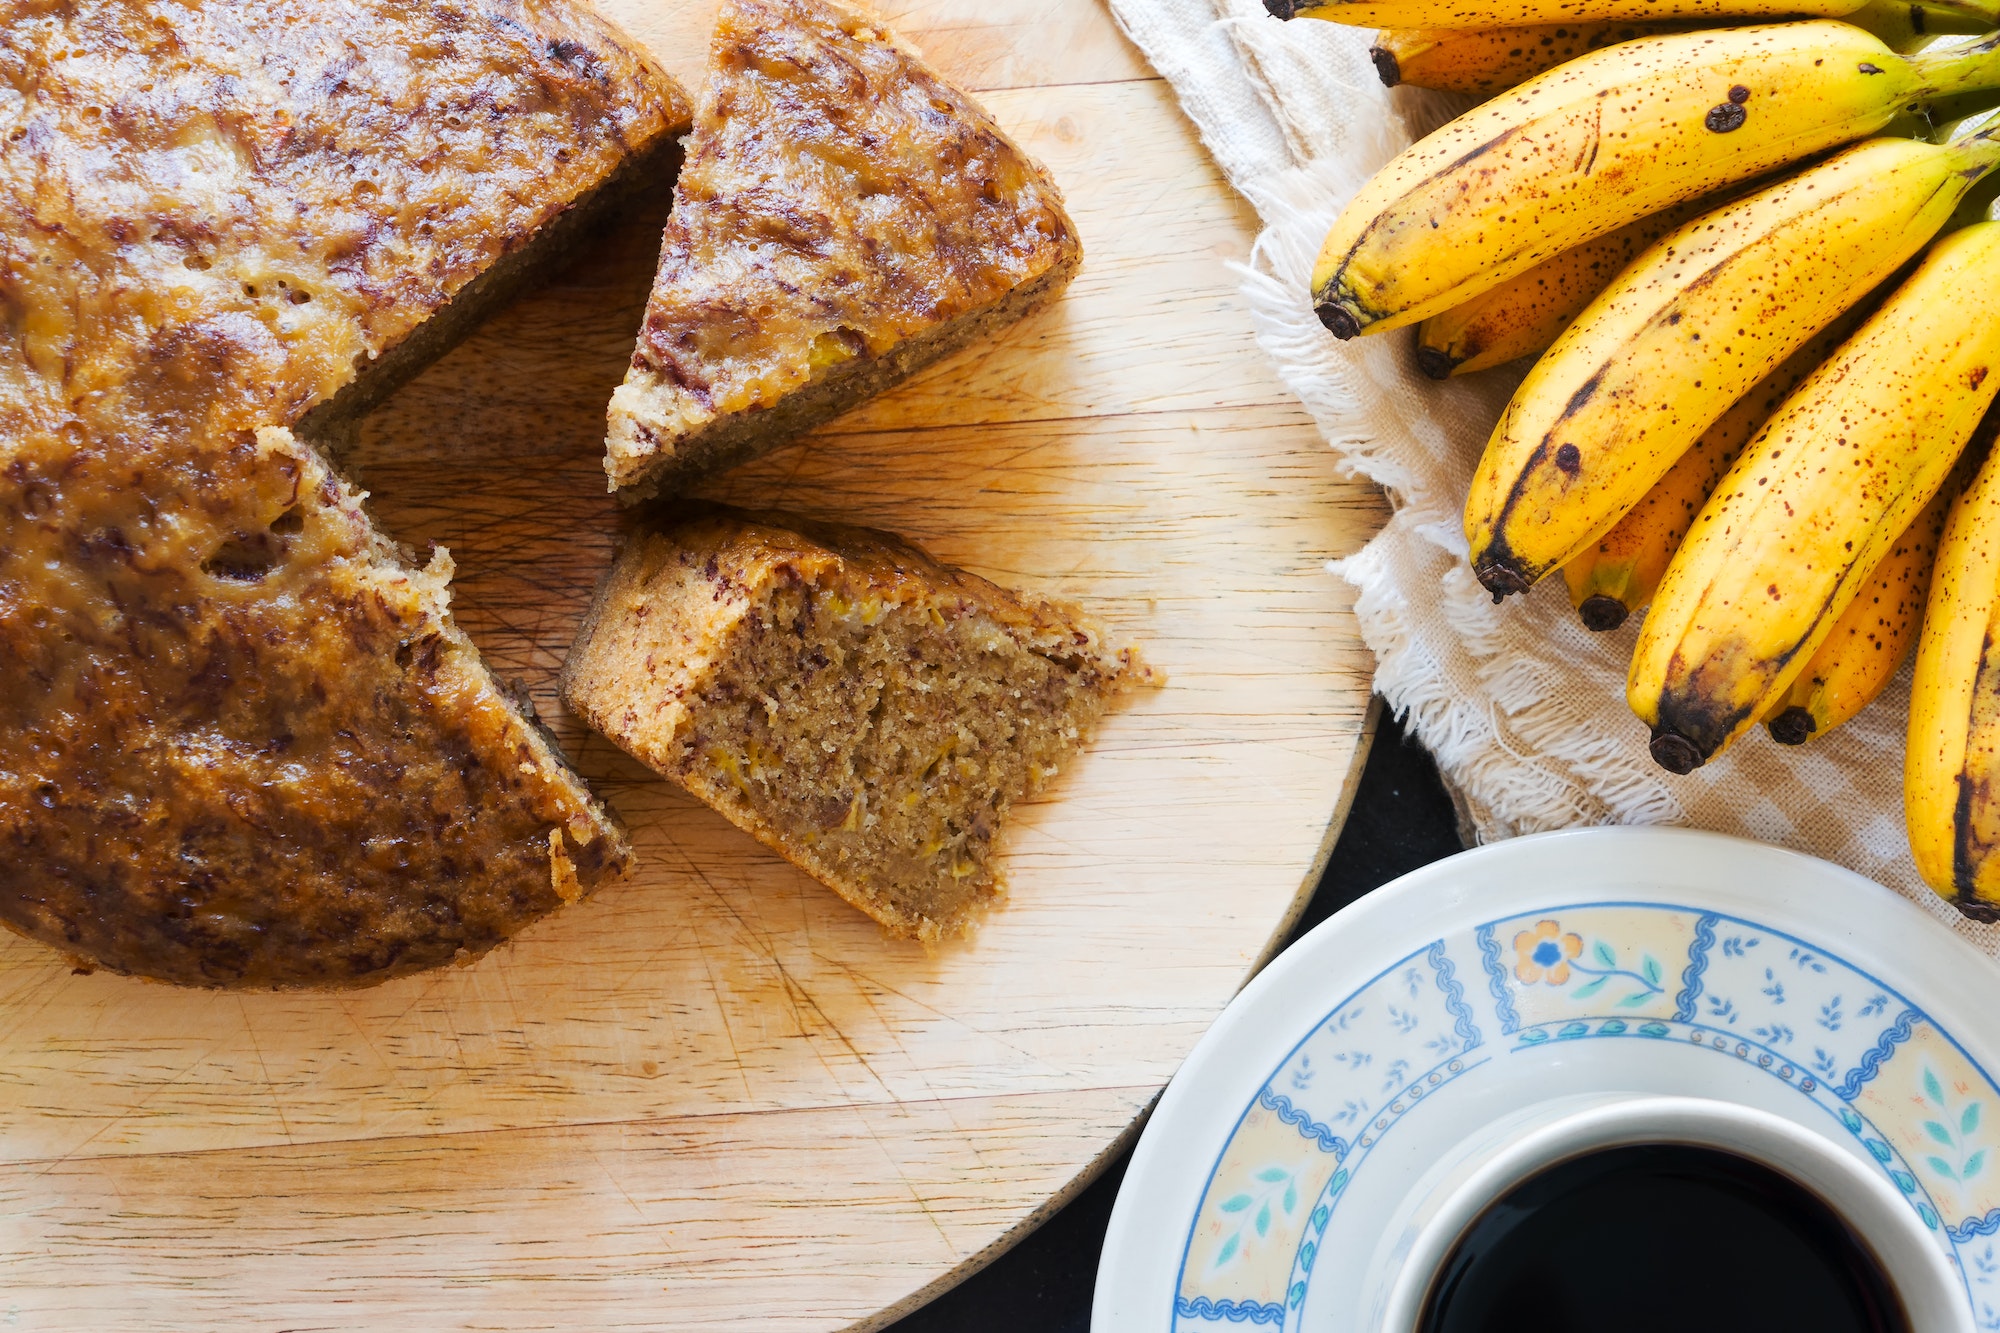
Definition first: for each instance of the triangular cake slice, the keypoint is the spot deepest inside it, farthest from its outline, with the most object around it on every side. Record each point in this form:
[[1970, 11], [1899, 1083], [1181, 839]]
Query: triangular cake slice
[[844, 217], [241, 741], [840, 695]]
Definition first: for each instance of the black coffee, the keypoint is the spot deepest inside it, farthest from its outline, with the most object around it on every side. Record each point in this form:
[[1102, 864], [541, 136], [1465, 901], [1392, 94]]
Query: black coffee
[[1661, 1237]]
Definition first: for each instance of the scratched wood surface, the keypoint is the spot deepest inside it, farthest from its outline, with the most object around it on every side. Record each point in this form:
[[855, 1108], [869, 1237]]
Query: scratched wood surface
[[713, 1096]]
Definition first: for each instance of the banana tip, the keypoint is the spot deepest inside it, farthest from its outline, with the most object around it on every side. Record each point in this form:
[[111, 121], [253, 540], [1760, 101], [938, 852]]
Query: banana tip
[[1434, 363], [1601, 612], [1385, 61], [1675, 752], [1339, 321], [1978, 909], [1794, 726], [1500, 579]]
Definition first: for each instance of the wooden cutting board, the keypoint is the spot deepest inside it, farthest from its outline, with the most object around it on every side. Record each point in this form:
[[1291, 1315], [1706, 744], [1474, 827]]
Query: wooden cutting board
[[714, 1096]]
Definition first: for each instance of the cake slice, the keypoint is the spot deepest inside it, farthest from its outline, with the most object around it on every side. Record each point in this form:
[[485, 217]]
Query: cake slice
[[241, 741], [844, 217], [835, 692]]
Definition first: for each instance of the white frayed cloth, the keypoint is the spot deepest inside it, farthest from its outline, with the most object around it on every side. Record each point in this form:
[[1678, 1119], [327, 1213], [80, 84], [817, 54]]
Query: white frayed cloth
[[1523, 707]]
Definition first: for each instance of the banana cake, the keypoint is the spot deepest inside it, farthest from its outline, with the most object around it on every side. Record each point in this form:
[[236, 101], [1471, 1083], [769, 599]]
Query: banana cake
[[241, 741], [860, 708], [844, 217]]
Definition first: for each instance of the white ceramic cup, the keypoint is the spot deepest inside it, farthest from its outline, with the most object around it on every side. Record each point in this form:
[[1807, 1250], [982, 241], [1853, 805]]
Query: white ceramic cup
[[1481, 1169]]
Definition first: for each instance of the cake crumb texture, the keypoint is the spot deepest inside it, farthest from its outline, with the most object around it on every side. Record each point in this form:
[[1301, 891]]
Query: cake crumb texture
[[854, 704]]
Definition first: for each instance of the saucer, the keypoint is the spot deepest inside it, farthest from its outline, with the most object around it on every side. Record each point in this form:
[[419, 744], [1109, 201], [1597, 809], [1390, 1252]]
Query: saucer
[[1276, 1174]]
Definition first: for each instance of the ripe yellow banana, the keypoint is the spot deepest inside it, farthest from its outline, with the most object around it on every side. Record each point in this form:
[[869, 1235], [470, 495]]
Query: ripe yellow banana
[[1472, 14], [1486, 61], [1524, 315], [1815, 502], [1951, 765], [1616, 574], [1684, 332], [1598, 143], [1870, 639]]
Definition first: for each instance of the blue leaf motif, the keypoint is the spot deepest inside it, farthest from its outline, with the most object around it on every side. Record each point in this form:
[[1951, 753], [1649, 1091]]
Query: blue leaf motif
[[1938, 1132], [1298, 1294], [1574, 1029], [1588, 989], [1291, 1199], [1970, 1120], [1307, 1253], [1904, 1181], [1851, 1120], [1235, 1203], [1271, 1175], [1635, 998], [1932, 1088], [1613, 1028], [1929, 1215], [1652, 1029], [1651, 969], [1942, 1167], [1877, 1149], [1336, 1185], [1264, 1220], [1228, 1250], [1973, 1164], [1603, 953], [1322, 1213]]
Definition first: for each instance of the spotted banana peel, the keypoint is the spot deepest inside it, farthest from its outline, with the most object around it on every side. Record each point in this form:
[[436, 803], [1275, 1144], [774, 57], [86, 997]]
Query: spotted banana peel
[[1484, 61], [1872, 636], [1607, 139], [1951, 764], [1616, 575], [1480, 14], [1524, 315], [1814, 504], [1686, 331]]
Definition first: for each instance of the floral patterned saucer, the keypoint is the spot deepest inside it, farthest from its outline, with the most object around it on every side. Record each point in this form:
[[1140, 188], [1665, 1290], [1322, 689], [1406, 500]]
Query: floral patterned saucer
[[1630, 960]]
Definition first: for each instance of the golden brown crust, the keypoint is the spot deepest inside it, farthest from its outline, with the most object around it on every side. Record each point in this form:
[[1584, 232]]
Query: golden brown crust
[[241, 742], [842, 212]]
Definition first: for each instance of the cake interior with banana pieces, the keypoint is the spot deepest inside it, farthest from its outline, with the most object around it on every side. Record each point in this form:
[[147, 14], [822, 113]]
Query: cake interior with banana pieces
[[866, 711]]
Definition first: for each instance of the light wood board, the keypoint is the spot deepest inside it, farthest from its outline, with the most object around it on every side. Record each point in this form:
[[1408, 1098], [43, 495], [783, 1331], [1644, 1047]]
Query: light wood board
[[713, 1096]]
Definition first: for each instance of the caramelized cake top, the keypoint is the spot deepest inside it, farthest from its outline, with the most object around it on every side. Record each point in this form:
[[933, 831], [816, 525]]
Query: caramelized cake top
[[240, 741], [839, 198]]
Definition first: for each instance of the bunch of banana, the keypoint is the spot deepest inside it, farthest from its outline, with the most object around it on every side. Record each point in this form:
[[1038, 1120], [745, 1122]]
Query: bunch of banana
[[1817, 500], [1615, 576], [1951, 766], [1477, 14], [1607, 139], [1685, 332]]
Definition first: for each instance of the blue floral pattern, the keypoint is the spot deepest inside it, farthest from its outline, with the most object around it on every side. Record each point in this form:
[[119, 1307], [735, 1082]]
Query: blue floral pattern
[[1908, 1095]]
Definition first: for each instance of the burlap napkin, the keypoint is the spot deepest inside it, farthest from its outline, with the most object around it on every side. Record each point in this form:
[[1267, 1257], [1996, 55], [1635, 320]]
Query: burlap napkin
[[1523, 707]]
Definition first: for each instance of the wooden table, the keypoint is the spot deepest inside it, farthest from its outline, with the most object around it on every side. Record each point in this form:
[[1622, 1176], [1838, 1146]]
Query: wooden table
[[713, 1096]]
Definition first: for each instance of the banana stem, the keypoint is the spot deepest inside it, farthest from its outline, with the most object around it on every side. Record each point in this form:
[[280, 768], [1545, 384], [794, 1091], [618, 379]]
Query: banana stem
[[1949, 68]]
